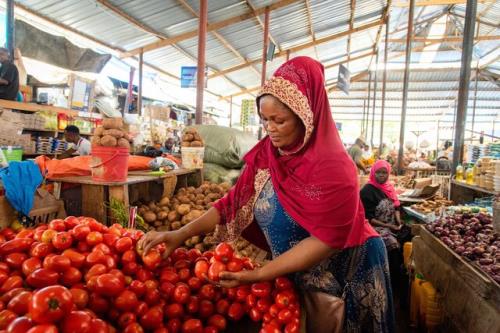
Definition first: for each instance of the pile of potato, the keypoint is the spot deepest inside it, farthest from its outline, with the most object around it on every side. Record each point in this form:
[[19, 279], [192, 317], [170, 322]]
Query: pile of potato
[[191, 138], [185, 206], [111, 134]]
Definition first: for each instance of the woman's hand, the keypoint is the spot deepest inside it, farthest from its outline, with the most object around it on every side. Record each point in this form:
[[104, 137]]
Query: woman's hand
[[172, 240], [395, 227], [231, 280]]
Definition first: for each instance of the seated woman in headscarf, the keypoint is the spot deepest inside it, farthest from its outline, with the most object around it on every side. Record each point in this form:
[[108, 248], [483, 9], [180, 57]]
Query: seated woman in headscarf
[[298, 195]]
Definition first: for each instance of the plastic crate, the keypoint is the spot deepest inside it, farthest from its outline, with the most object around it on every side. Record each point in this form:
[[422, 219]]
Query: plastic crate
[[12, 153]]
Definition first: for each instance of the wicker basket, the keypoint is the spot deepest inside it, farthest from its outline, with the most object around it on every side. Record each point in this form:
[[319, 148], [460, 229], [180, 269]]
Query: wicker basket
[[169, 184], [47, 214]]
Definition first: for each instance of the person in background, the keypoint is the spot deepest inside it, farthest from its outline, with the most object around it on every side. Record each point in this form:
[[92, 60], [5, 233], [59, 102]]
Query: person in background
[[79, 145], [168, 147], [9, 77], [356, 153]]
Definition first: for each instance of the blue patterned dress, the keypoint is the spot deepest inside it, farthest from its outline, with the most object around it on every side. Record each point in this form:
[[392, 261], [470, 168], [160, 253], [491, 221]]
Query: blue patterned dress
[[369, 306]]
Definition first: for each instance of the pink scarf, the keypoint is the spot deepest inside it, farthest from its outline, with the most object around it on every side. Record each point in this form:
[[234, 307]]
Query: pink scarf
[[386, 187]]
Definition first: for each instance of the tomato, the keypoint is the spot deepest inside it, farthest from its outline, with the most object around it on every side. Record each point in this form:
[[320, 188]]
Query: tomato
[[50, 304], [80, 232], [292, 328], [143, 275], [42, 277], [283, 283], [77, 322], [94, 238], [274, 310], [12, 282], [95, 270], [181, 293], [283, 299], [261, 289], [57, 263], [123, 244], [126, 319], [129, 256], [16, 245], [174, 310], [206, 308], [97, 303], [152, 259], [215, 269], [174, 325], [110, 262], [133, 328], [268, 328], [6, 297], [20, 325], [57, 225], [224, 252], [285, 316], [19, 304], [30, 265], [193, 254], [218, 322], [167, 289], [241, 293], [92, 223], [152, 297], [83, 247], [137, 287], [6, 317], [80, 297], [235, 265], [222, 306], [179, 254], [109, 285], [207, 291], [71, 277], [210, 329], [152, 318], [126, 301], [62, 240], [3, 277], [15, 260], [184, 274], [77, 259], [235, 311], [169, 276], [194, 283], [4, 267], [103, 248], [141, 308], [95, 257], [192, 326], [161, 330], [255, 315], [99, 326], [263, 305]]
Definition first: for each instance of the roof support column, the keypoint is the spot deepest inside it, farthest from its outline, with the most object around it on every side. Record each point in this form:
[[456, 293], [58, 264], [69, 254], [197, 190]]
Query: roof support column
[[384, 82], [409, 37], [10, 28], [365, 133], [463, 87], [374, 101], [200, 73], [264, 47], [139, 93], [230, 111]]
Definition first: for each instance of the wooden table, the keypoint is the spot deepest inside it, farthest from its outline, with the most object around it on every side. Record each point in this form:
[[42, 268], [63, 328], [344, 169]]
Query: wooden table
[[470, 298], [138, 186]]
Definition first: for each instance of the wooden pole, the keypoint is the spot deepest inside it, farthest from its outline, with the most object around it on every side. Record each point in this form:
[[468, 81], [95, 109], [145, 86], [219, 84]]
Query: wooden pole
[[368, 105], [10, 42], [384, 83], [200, 75], [264, 47], [374, 100], [139, 93]]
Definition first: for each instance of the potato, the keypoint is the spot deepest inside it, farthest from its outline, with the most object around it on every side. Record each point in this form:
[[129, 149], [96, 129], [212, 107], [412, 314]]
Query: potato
[[165, 201], [185, 144], [198, 191], [142, 210], [112, 123], [162, 215], [183, 209], [190, 130], [216, 188], [207, 200], [95, 140], [114, 132], [187, 137], [176, 225], [163, 228], [174, 206], [184, 199], [173, 216], [188, 243], [108, 141], [123, 143], [157, 224], [192, 197], [152, 205], [157, 210], [199, 207], [175, 201], [197, 137], [196, 144], [149, 217], [195, 239], [204, 187], [99, 130]]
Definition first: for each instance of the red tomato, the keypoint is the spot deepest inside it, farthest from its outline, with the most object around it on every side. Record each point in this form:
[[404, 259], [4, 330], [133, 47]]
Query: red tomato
[[241, 293], [285, 316], [268, 328], [20, 325], [6, 297], [235, 265], [224, 252], [152, 318], [110, 239], [94, 238], [143, 275], [16, 245], [261, 289], [152, 259], [103, 248], [3, 277], [283, 299], [151, 285], [167, 289], [39, 232], [255, 315], [6, 317], [77, 322], [263, 305], [141, 308], [48, 235], [218, 322], [193, 254], [174, 310], [292, 328], [130, 268], [126, 301], [133, 328], [235, 311], [50, 304], [57, 225], [274, 310], [215, 269], [71, 277], [129, 256], [80, 297], [123, 244], [95, 257], [251, 300], [95, 270], [283, 283], [70, 222], [97, 303], [109, 285], [161, 330], [42, 277], [181, 293], [30, 265], [193, 305], [174, 325], [62, 240], [192, 326], [4, 267], [110, 262], [137, 287], [44, 328], [15, 260], [207, 291], [83, 247], [222, 306], [99, 326], [180, 264], [179, 254], [93, 224], [206, 308], [19, 304], [194, 283], [248, 264], [77, 259], [126, 319], [184, 274], [57, 263], [81, 231], [210, 329], [169, 276], [152, 297]]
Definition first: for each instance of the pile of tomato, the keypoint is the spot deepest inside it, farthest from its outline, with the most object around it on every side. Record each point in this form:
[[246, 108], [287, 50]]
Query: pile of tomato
[[77, 275]]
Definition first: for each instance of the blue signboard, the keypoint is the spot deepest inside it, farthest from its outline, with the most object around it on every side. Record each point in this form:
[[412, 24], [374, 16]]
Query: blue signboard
[[188, 76]]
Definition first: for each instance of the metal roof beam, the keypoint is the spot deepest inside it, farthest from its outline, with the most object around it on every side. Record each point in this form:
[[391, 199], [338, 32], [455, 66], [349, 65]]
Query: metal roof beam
[[436, 3], [311, 27], [478, 20], [257, 18], [447, 39], [211, 27]]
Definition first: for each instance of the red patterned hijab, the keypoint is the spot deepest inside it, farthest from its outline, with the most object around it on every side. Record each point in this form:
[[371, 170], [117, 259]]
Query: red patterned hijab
[[386, 187], [316, 183]]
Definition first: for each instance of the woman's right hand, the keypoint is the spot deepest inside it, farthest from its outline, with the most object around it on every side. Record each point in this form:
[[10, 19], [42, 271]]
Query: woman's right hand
[[395, 227], [172, 240]]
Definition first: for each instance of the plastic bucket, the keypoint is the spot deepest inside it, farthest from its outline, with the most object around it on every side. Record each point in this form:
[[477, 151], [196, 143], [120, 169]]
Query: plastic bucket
[[192, 157], [109, 164]]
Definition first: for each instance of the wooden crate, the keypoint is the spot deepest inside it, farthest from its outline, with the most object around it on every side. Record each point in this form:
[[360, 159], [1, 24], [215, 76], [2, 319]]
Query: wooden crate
[[47, 214], [471, 299]]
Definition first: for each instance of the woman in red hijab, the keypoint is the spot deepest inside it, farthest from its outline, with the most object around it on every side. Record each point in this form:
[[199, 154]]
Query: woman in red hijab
[[298, 195]]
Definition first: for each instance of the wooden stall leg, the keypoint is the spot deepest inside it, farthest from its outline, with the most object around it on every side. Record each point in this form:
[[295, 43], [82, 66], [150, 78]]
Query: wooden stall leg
[[182, 181], [93, 199], [169, 185], [57, 190], [119, 193]]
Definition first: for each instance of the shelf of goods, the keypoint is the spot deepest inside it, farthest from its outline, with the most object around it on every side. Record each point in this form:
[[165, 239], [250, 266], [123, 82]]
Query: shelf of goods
[[470, 296], [461, 192]]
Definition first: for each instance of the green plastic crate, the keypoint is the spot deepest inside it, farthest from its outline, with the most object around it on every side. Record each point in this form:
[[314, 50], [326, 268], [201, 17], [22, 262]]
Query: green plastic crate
[[12, 153]]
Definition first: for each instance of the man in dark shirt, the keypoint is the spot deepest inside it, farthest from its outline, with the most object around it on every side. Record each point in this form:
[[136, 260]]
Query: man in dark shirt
[[9, 77]]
